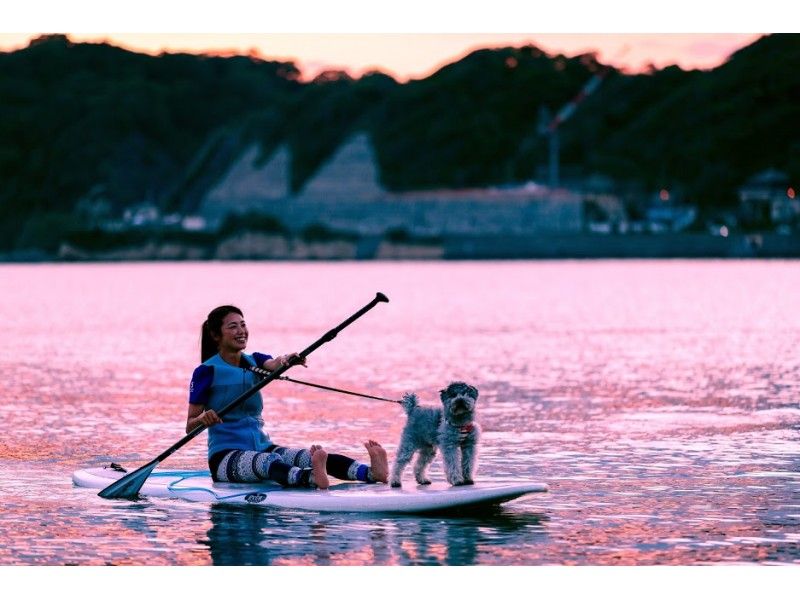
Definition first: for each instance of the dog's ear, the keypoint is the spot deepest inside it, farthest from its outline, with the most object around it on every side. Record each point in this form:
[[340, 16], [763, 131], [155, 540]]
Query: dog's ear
[[442, 393], [475, 390]]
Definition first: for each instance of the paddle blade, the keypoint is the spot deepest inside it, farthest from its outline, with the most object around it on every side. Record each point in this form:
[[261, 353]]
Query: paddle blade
[[129, 485]]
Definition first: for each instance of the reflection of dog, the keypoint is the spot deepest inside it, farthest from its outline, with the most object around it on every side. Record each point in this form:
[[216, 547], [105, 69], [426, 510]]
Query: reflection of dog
[[450, 427]]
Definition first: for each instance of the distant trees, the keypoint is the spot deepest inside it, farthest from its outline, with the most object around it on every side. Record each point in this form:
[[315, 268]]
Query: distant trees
[[75, 115], [160, 129]]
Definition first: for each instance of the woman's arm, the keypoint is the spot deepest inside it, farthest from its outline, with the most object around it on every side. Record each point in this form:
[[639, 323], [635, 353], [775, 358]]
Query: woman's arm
[[274, 364], [199, 394], [199, 415]]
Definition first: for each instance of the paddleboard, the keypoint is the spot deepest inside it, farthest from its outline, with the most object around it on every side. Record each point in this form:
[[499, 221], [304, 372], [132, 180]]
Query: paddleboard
[[343, 497]]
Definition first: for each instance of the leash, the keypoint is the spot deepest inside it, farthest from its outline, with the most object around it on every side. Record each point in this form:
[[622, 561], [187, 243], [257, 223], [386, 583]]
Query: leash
[[262, 372]]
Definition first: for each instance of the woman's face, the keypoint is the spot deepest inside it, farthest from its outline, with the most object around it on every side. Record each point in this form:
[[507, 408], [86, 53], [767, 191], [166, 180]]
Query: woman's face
[[234, 333]]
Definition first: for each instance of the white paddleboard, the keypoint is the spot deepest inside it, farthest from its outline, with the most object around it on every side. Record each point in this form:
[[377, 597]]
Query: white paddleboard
[[344, 497]]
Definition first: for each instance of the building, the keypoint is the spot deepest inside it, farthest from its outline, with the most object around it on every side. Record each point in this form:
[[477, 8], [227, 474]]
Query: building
[[346, 194], [767, 198]]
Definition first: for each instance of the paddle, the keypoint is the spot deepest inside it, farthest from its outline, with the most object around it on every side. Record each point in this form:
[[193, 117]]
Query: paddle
[[129, 485]]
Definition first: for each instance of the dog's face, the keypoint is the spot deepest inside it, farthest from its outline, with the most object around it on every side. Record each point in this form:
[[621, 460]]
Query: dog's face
[[459, 401]]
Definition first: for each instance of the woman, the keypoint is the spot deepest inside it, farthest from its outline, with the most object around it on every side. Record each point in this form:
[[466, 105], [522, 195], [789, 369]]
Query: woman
[[239, 450]]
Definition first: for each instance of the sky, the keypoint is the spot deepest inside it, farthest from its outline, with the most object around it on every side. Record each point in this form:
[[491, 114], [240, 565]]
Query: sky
[[416, 55], [408, 39]]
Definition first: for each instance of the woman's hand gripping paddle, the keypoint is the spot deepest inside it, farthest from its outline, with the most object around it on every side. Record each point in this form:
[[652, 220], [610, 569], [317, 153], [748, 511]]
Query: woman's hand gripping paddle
[[129, 485]]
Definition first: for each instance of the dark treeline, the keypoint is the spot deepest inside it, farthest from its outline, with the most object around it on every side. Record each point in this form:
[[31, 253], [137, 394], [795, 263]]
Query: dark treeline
[[78, 120]]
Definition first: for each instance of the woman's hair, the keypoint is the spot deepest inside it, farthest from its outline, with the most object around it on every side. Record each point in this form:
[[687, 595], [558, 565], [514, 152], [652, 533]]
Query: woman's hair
[[212, 327]]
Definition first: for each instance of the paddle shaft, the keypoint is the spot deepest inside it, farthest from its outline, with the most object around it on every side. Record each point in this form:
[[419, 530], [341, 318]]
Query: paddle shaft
[[129, 485]]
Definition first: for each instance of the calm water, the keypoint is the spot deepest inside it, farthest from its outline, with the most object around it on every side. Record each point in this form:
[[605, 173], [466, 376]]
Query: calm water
[[658, 399]]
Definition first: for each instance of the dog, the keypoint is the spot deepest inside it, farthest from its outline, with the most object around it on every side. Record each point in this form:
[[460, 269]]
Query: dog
[[451, 428]]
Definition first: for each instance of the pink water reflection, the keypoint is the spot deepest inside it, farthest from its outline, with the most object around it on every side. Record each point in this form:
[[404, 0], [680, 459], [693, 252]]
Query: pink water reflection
[[658, 400]]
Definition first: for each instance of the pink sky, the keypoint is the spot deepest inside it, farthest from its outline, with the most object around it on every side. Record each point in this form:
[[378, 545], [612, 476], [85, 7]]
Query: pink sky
[[416, 55], [408, 39]]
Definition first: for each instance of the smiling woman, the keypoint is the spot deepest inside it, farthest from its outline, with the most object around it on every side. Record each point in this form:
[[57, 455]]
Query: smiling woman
[[224, 330], [239, 450]]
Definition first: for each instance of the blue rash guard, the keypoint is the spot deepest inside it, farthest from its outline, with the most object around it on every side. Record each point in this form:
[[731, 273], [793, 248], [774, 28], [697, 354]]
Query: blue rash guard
[[215, 383]]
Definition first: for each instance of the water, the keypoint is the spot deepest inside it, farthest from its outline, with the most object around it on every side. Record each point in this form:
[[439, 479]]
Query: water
[[658, 399]]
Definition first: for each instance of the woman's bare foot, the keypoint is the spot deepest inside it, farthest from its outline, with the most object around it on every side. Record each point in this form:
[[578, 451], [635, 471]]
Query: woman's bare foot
[[378, 463], [319, 461]]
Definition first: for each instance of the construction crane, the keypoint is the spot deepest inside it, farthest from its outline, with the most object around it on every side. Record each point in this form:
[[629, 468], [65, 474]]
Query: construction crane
[[549, 126]]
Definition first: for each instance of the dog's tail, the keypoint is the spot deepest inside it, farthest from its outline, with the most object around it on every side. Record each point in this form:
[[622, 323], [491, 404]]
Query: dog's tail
[[409, 402]]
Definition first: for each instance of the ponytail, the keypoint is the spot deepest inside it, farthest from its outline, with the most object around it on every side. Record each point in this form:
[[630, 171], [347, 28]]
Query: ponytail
[[212, 330]]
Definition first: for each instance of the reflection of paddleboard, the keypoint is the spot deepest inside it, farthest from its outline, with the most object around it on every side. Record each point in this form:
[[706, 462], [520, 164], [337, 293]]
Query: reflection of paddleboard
[[344, 497]]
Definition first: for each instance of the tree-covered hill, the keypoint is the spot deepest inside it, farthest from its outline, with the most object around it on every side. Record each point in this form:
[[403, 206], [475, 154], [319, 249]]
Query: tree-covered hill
[[77, 116], [706, 132], [464, 125], [81, 119]]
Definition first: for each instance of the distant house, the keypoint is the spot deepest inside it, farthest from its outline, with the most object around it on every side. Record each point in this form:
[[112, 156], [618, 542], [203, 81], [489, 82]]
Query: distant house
[[670, 218], [604, 213], [143, 214], [768, 199], [666, 212]]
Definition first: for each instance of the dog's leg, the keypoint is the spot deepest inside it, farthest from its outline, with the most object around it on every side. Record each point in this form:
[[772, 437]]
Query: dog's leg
[[404, 454], [468, 454], [452, 465], [424, 458]]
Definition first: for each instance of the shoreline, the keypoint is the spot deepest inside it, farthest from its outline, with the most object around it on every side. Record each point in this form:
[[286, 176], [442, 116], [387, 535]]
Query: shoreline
[[588, 246]]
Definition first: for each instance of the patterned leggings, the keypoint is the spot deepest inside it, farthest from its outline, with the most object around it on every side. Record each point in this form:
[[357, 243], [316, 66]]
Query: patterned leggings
[[288, 467]]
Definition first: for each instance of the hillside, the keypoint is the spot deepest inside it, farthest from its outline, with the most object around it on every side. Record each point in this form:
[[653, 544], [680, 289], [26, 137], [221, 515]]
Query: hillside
[[93, 119]]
